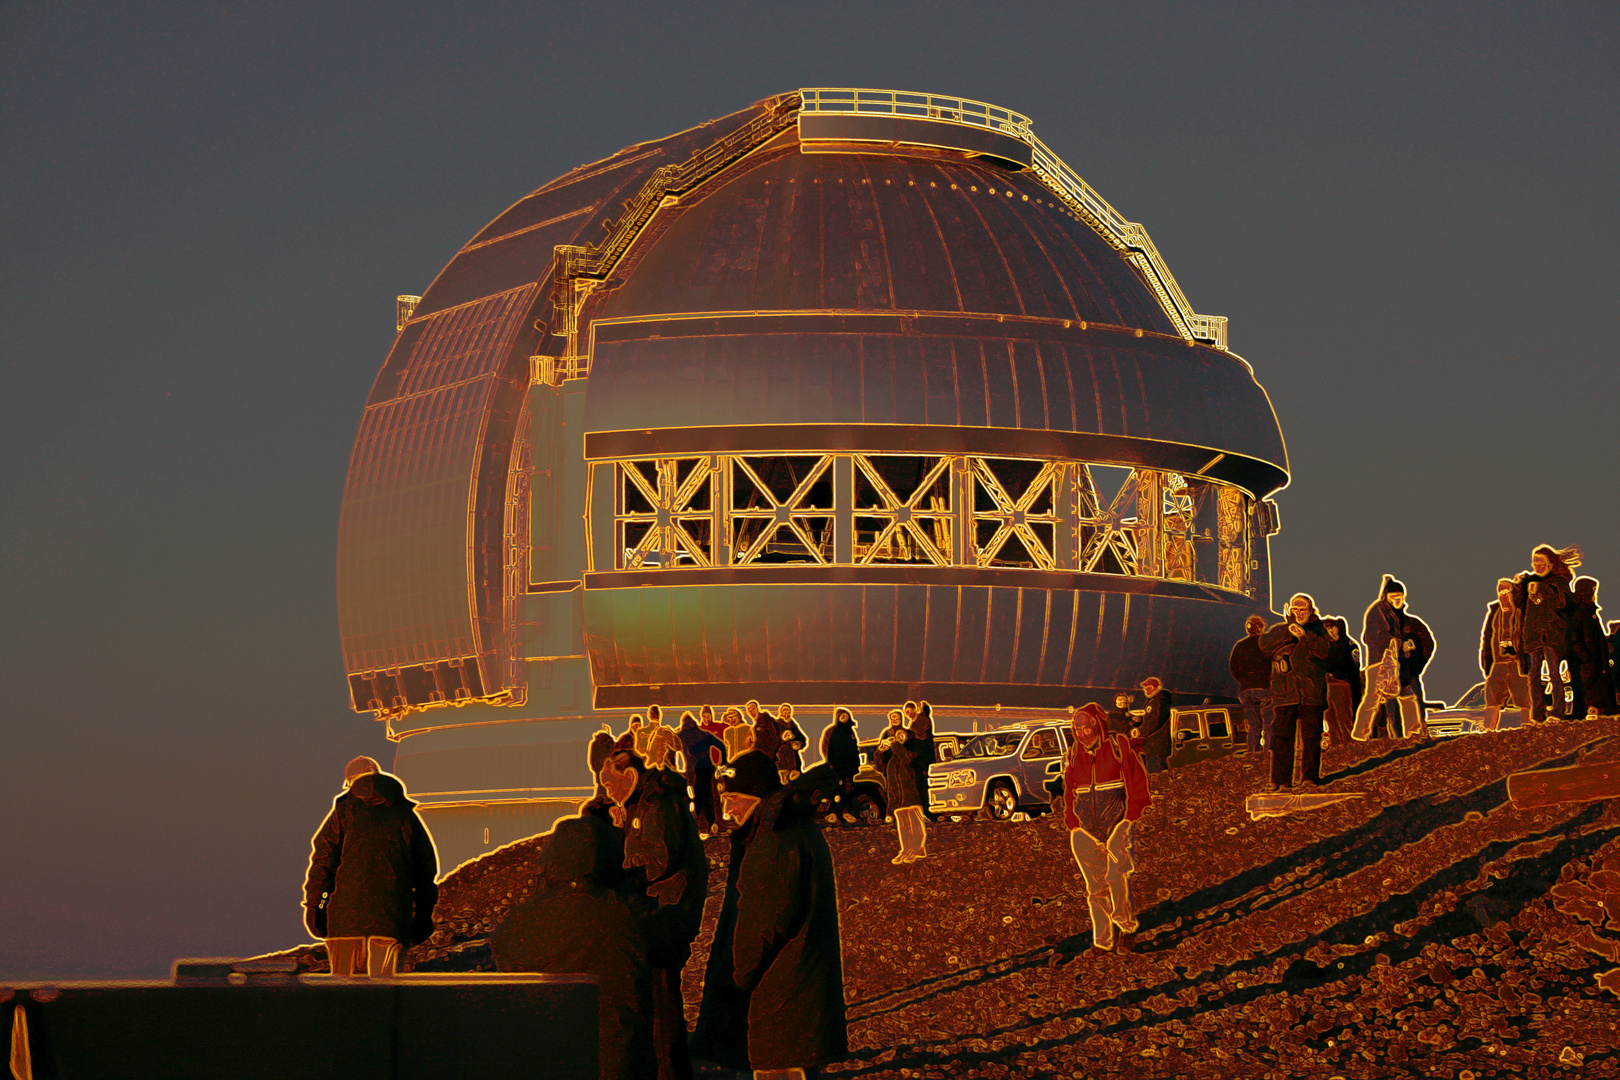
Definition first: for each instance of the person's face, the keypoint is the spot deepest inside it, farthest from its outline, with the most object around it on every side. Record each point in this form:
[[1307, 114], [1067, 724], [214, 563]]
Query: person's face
[[753, 710], [1540, 563], [706, 714], [911, 712], [1254, 626], [1333, 631], [895, 716], [1504, 594], [1397, 600], [635, 723], [1150, 688], [738, 806], [1085, 730], [1122, 701], [1300, 608], [785, 712]]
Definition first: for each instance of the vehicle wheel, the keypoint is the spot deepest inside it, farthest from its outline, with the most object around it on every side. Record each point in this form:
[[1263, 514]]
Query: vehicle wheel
[[867, 808], [1000, 802]]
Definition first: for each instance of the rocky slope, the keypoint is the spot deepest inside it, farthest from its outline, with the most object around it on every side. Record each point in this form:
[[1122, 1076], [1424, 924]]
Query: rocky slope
[[1426, 928]]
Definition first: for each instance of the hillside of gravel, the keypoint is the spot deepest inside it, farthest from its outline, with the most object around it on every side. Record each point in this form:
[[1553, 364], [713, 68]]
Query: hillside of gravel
[[1424, 928]]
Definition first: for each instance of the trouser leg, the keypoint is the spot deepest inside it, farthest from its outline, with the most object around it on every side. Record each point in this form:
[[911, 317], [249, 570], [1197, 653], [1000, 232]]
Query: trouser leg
[[1365, 726], [919, 830], [1282, 746], [1092, 858], [1310, 752], [345, 954], [1339, 711], [1120, 865], [669, 1025], [382, 957]]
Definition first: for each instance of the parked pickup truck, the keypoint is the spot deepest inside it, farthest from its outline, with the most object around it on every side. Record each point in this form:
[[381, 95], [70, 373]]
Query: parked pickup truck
[[998, 773]]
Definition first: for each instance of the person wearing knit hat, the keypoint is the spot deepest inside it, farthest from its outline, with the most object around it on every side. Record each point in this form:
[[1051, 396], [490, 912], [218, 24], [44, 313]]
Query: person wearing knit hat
[[1105, 790], [773, 992], [1399, 646], [370, 889]]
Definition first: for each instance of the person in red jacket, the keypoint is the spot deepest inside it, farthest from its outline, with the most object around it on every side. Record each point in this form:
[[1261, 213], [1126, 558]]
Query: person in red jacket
[[1105, 790]]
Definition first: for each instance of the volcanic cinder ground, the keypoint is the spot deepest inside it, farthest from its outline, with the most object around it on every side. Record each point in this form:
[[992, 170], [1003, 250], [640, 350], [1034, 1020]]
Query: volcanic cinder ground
[[1427, 928]]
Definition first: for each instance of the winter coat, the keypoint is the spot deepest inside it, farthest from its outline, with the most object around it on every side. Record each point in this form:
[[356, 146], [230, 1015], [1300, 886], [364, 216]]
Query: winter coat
[[1384, 624], [841, 749], [1155, 725], [1588, 648], [1488, 638], [1341, 662], [661, 841], [1088, 770], [900, 772], [793, 742], [1297, 673], [768, 731], [1120, 721], [373, 862], [574, 924], [1545, 620], [695, 746], [1250, 667], [924, 752], [786, 953]]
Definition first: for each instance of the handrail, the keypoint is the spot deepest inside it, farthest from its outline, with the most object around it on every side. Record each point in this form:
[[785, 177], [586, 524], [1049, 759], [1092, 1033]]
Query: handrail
[[1128, 237]]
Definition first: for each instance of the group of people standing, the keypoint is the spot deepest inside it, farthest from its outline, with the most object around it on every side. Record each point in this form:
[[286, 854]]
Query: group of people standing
[[1542, 645], [620, 893], [1306, 677]]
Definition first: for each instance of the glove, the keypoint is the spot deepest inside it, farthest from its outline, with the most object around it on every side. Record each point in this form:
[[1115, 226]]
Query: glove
[[315, 921]]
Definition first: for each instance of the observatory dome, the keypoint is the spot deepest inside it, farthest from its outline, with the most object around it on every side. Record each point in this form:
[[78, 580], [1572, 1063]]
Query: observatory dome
[[848, 398]]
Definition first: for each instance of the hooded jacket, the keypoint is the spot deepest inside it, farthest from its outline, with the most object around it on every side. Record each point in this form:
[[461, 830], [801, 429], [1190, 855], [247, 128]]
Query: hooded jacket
[[372, 864], [574, 923], [1110, 782], [1544, 622]]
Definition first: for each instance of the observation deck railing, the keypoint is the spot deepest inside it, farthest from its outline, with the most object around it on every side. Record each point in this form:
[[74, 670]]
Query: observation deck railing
[[1126, 236]]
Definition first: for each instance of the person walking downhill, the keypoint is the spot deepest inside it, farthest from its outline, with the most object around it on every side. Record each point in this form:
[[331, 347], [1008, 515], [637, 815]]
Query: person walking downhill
[[1252, 672], [1105, 791], [1543, 597], [370, 889], [1297, 647]]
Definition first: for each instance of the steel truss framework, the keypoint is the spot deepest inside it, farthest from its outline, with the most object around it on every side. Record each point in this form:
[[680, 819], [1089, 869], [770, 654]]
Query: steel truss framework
[[847, 509]]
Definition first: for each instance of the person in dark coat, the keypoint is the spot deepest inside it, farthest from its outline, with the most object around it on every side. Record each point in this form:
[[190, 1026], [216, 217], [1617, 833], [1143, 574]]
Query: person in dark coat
[[576, 922], [1543, 597], [1252, 672], [1498, 653], [1105, 791], [663, 845], [900, 779], [840, 749], [767, 731], [1153, 728], [370, 890], [1297, 648], [1343, 668], [1399, 647], [1589, 654], [925, 752], [789, 757], [773, 993], [1120, 720], [700, 749]]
